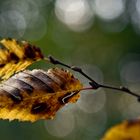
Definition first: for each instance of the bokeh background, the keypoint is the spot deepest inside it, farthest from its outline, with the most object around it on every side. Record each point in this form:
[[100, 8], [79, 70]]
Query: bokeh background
[[100, 36]]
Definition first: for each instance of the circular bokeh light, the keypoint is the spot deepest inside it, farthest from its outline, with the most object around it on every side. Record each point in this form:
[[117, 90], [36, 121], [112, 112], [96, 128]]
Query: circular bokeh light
[[76, 14], [109, 9], [62, 125], [12, 24]]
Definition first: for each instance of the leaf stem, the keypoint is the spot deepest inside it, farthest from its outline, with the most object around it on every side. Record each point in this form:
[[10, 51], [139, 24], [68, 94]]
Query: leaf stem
[[123, 89]]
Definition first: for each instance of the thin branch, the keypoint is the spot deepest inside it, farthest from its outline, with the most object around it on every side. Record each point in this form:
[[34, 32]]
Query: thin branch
[[94, 85]]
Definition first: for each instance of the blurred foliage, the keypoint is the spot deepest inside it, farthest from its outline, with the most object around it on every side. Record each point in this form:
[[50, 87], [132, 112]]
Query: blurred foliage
[[128, 130]]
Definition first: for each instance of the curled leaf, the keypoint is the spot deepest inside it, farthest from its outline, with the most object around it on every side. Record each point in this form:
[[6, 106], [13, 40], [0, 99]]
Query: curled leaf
[[37, 94]]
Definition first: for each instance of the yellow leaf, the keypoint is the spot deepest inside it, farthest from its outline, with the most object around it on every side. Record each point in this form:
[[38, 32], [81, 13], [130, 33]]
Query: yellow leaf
[[16, 56], [127, 130], [37, 94]]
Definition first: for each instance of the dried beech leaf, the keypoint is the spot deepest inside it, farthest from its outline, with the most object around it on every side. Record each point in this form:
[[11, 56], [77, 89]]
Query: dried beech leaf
[[128, 130], [16, 56], [37, 94]]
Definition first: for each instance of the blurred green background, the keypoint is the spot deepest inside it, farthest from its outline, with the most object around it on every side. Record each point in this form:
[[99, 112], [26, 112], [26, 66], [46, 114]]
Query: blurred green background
[[100, 36]]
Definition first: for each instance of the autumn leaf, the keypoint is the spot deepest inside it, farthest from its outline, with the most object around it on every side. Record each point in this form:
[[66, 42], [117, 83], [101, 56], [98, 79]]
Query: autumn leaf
[[37, 94], [16, 56], [127, 130]]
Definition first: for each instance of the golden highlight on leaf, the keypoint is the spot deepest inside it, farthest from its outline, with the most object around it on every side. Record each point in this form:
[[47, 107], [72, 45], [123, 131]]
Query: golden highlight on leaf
[[127, 130], [16, 56], [37, 94]]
